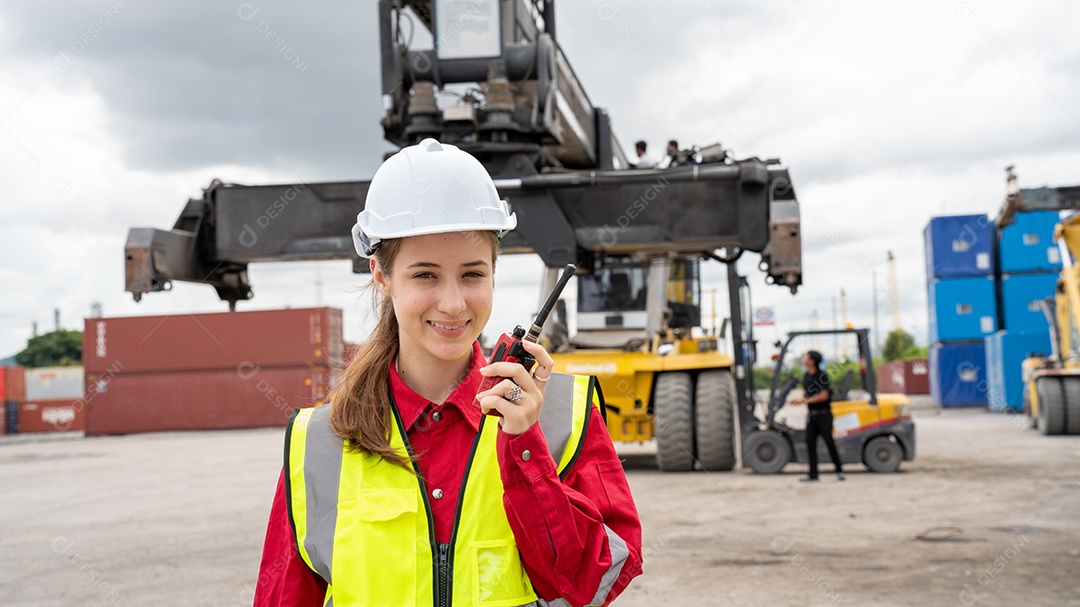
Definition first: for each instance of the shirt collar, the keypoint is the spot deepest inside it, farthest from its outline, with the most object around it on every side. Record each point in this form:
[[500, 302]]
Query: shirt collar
[[411, 405]]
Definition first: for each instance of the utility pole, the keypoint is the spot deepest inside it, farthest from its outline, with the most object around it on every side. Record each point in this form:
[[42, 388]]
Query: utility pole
[[877, 335], [844, 317], [814, 327], [712, 295], [894, 291], [56, 319], [835, 326], [318, 283]]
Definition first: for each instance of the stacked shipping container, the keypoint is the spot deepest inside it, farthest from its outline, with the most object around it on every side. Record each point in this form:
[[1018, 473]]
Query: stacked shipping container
[[207, 371], [1030, 261], [984, 294], [960, 271]]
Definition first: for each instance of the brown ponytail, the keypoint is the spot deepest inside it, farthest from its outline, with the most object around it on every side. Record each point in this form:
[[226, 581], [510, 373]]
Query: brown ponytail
[[360, 404]]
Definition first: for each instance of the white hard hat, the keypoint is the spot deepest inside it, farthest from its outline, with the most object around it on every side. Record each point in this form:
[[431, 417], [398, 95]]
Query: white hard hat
[[429, 188]]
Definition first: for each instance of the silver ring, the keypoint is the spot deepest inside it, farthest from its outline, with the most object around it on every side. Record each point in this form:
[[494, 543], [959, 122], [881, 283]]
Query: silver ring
[[541, 379], [515, 394]]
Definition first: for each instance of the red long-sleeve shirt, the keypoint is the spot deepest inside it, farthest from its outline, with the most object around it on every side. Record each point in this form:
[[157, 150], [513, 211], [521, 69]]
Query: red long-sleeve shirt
[[558, 524]]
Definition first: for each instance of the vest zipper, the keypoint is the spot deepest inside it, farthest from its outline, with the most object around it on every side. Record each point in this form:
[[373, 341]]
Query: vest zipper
[[443, 598], [442, 554], [438, 551], [457, 516]]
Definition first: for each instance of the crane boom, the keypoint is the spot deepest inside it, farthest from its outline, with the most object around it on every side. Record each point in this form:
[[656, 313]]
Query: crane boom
[[552, 154]]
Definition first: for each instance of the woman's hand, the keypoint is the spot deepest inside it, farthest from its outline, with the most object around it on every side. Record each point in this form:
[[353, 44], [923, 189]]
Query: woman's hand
[[518, 416]]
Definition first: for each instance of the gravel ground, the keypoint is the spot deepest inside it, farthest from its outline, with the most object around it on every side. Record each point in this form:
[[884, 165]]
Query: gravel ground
[[987, 514]]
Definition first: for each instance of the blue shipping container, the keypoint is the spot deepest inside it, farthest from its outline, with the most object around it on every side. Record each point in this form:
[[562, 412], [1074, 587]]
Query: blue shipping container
[[959, 245], [958, 375], [1021, 295], [1028, 245], [1005, 352], [962, 309]]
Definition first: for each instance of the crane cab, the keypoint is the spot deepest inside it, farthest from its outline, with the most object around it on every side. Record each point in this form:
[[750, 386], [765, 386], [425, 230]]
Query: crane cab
[[663, 378]]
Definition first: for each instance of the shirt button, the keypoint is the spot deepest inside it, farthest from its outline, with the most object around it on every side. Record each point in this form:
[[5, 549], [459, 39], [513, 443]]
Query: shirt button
[[436, 416], [526, 455], [437, 494]]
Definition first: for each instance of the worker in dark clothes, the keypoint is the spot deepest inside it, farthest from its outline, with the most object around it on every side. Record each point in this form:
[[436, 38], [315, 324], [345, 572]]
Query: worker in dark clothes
[[817, 396]]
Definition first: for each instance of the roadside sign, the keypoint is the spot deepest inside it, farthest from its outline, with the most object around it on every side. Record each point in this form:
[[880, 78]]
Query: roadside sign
[[764, 316]]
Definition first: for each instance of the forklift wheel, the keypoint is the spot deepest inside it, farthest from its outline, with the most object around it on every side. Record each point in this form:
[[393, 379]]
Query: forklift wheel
[[767, 452], [882, 455], [1051, 395]]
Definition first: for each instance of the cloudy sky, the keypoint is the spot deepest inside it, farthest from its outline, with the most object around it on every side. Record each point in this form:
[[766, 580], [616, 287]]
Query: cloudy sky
[[114, 112]]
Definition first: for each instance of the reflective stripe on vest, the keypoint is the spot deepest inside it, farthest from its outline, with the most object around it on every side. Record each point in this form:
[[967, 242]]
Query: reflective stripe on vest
[[367, 525]]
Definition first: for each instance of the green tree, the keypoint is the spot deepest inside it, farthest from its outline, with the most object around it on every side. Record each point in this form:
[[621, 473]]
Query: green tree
[[58, 348], [839, 368], [916, 353], [762, 378], [897, 343]]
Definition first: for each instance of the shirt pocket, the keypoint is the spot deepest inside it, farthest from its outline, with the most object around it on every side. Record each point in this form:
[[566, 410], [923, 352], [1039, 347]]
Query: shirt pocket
[[499, 580]]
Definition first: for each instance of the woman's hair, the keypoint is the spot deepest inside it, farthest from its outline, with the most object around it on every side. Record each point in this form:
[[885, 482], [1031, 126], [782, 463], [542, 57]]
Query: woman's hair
[[360, 404]]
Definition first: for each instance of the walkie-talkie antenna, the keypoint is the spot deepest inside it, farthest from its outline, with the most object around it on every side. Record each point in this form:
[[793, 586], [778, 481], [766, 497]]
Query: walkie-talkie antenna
[[541, 317]]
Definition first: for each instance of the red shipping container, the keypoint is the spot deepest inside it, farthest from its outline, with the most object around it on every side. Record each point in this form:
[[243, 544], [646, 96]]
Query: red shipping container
[[246, 396], [186, 342], [904, 377], [14, 383], [61, 415]]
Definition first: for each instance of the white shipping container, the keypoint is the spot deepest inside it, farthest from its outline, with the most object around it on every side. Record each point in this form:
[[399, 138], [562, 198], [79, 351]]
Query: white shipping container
[[54, 383]]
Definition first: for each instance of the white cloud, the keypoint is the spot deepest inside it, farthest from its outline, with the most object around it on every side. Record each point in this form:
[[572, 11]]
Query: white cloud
[[886, 115]]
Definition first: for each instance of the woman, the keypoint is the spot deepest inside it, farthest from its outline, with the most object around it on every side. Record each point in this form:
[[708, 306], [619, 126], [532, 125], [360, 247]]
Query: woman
[[402, 492]]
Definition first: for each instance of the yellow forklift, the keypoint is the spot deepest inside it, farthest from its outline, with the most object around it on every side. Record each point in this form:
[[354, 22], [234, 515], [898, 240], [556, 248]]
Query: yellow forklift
[[874, 429]]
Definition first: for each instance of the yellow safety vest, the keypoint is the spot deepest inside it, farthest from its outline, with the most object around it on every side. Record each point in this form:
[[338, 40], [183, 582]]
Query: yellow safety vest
[[365, 525]]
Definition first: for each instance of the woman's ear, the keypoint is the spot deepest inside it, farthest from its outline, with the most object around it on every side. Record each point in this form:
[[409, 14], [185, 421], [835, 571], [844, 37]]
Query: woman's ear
[[379, 277]]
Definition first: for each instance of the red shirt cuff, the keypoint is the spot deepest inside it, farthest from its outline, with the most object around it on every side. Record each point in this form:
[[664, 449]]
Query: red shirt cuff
[[524, 457]]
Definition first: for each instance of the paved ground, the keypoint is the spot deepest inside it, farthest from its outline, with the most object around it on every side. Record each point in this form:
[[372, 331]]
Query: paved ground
[[988, 514]]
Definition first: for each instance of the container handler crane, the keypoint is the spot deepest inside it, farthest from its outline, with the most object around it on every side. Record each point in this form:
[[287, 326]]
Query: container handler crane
[[638, 236], [1052, 379]]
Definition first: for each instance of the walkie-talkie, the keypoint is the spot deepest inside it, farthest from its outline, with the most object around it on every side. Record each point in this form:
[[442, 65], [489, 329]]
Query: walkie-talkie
[[509, 348]]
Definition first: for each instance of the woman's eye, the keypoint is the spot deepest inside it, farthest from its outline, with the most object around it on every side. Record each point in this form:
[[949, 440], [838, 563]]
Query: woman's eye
[[474, 275], [424, 275]]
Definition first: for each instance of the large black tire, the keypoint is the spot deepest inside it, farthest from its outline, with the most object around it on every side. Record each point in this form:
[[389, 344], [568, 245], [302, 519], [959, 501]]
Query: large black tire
[[1051, 396], [1072, 405], [714, 417], [674, 419], [882, 454], [767, 452]]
